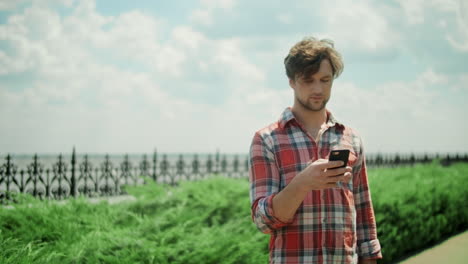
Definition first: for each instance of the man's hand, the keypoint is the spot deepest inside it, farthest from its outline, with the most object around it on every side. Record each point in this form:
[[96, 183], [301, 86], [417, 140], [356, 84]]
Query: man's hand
[[321, 175], [318, 175]]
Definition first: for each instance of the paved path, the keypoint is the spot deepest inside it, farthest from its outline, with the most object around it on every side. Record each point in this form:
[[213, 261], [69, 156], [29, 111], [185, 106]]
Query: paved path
[[452, 251]]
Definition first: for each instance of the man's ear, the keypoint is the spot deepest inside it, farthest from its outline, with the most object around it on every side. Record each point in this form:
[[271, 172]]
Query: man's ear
[[292, 83]]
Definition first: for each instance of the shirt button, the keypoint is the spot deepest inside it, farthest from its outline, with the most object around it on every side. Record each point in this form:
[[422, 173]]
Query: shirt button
[[324, 220]]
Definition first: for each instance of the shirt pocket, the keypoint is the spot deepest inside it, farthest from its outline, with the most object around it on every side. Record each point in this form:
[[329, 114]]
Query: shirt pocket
[[290, 163], [345, 143]]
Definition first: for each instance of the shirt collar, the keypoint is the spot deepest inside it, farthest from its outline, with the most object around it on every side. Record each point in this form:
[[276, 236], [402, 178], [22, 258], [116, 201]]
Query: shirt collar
[[288, 115]]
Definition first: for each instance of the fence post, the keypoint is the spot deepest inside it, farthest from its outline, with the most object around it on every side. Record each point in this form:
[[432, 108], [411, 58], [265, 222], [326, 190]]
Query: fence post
[[224, 166], [73, 176], [9, 174], [379, 160], [426, 158], [217, 162], [196, 167], [155, 164], [144, 166], [209, 166], [397, 160], [164, 169], [412, 159], [180, 168], [446, 161], [246, 166], [235, 165]]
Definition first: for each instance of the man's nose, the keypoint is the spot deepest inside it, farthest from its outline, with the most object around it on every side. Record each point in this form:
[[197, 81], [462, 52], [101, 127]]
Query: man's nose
[[316, 87]]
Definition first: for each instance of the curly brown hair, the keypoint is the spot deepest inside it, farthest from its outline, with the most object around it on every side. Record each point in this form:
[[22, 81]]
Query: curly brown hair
[[304, 58]]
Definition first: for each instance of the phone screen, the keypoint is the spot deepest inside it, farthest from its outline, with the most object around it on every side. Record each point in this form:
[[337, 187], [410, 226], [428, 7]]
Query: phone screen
[[341, 154]]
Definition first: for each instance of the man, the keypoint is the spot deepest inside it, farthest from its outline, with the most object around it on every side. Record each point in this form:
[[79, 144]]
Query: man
[[314, 212]]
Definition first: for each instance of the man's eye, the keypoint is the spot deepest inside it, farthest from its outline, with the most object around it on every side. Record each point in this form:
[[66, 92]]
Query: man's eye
[[325, 81]]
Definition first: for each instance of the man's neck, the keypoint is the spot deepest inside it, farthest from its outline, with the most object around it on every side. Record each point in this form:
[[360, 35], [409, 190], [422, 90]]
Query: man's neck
[[311, 120]]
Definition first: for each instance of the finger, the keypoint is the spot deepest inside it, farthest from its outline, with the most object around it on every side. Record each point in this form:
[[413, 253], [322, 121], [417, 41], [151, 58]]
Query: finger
[[316, 162], [347, 177], [334, 172], [330, 164], [335, 179], [321, 161]]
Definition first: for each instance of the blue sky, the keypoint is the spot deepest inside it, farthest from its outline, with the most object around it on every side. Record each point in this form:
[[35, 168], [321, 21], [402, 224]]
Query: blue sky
[[197, 76]]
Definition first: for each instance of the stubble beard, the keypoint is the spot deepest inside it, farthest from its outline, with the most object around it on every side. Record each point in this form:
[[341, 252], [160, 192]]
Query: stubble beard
[[310, 107]]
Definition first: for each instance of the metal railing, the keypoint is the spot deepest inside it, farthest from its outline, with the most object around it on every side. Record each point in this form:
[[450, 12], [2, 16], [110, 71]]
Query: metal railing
[[72, 179], [62, 179]]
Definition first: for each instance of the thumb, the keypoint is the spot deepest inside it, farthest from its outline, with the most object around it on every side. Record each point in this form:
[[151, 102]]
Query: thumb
[[318, 161]]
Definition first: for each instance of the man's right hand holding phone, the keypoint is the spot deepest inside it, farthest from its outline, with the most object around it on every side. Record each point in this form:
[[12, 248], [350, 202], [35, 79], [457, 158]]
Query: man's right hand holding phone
[[320, 174], [323, 174]]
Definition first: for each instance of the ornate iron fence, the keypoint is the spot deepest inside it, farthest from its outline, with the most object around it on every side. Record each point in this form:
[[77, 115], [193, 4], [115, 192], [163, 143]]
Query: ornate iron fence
[[72, 179]]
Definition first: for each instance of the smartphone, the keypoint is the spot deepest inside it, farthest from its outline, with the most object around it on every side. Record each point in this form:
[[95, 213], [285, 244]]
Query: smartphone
[[340, 154]]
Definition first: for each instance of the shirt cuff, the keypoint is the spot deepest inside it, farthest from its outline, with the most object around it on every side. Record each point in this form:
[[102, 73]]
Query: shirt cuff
[[274, 222], [370, 250]]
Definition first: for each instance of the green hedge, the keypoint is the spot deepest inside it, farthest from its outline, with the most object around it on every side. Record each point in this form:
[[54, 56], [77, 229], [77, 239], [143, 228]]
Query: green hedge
[[416, 207], [209, 221]]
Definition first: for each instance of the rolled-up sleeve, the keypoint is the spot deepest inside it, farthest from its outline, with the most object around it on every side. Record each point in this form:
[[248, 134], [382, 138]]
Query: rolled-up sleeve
[[264, 185], [368, 245]]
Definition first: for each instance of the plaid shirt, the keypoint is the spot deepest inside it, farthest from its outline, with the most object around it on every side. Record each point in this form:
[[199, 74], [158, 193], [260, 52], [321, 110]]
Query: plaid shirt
[[334, 225]]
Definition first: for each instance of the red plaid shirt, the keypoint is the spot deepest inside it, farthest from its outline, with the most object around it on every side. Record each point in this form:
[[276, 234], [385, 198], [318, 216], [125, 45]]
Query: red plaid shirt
[[334, 225]]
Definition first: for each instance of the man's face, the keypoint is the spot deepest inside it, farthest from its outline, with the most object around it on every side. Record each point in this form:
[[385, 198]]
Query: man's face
[[313, 92]]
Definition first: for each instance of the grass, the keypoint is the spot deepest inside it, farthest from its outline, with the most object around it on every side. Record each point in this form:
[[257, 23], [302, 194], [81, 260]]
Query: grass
[[209, 221], [416, 207], [196, 222]]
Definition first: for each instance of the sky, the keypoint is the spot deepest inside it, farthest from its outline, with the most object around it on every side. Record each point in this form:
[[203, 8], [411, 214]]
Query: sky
[[111, 76]]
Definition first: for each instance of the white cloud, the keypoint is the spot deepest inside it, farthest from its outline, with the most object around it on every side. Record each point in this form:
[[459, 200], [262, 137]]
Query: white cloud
[[230, 58], [413, 99], [8, 4], [418, 12], [359, 25], [459, 40], [124, 83], [285, 18], [81, 97], [22, 33], [223, 4], [442, 24], [461, 83], [204, 14], [413, 10], [404, 116], [188, 37]]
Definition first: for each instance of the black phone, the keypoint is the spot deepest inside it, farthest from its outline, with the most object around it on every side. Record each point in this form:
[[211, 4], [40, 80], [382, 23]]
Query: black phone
[[340, 154]]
